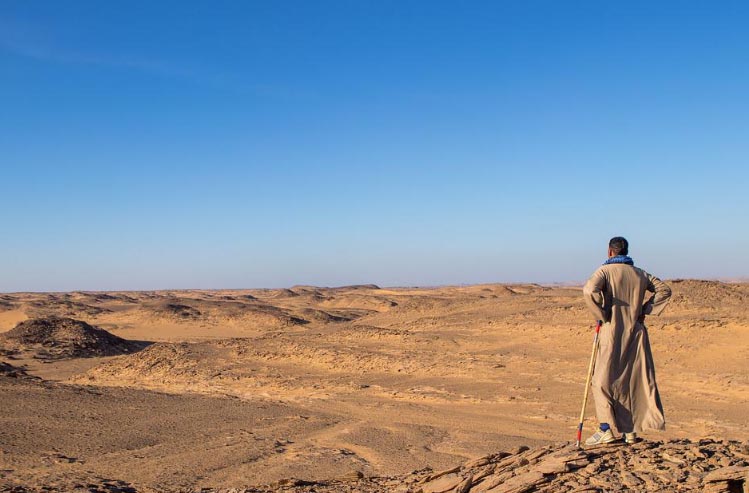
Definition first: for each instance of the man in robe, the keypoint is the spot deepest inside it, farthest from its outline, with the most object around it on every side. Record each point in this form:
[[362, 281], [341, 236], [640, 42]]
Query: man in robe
[[623, 386]]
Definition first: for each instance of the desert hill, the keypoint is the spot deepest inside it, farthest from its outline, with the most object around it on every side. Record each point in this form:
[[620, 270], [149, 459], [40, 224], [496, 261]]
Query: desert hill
[[58, 337]]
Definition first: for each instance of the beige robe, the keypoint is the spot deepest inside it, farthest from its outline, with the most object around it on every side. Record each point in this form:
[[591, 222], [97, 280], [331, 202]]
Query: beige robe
[[623, 386]]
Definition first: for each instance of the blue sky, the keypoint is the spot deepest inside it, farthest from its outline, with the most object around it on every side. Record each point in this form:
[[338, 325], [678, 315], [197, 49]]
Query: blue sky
[[148, 145]]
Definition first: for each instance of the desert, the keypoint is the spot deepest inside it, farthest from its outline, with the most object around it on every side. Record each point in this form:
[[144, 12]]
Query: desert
[[359, 246], [357, 388]]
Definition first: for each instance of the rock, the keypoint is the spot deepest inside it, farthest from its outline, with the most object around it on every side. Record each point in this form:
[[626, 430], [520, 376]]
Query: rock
[[732, 473], [672, 458], [490, 483], [717, 487], [465, 485], [561, 463], [436, 475], [481, 461], [442, 484], [353, 475], [554, 465], [531, 456], [520, 449], [630, 480], [484, 472], [577, 464], [522, 483]]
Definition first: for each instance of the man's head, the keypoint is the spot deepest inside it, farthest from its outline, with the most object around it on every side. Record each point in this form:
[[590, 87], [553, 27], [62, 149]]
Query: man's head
[[618, 246]]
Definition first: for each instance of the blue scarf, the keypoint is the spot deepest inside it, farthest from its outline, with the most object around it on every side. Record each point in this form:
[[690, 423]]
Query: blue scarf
[[620, 259]]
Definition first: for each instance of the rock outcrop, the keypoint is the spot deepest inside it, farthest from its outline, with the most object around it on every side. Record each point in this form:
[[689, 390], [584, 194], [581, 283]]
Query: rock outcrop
[[679, 465]]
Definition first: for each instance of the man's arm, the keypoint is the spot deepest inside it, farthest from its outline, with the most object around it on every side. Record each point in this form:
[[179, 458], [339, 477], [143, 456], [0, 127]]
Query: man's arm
[[593, 294], [659, 300]]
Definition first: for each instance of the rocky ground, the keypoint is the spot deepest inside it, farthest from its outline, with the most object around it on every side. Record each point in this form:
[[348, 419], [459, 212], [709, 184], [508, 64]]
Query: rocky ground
[[676, 465]]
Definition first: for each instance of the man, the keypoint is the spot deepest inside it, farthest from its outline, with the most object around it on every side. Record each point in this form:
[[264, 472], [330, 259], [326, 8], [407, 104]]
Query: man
[[623, 386]]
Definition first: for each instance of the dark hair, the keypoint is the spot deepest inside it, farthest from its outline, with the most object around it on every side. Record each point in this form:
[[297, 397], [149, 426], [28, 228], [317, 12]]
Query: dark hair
[[619, 245]]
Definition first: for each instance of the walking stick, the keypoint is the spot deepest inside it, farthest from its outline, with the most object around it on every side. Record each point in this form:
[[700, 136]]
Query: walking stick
[[587, 383]]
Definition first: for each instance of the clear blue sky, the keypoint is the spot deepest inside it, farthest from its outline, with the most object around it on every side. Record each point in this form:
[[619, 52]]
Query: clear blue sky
[[149, 145]]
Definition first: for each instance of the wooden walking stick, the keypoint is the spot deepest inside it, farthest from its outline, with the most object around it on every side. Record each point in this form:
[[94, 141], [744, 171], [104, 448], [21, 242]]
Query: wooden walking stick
[[587, 383]]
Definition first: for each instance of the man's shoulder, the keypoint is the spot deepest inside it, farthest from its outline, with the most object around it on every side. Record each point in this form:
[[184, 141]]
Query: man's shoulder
[[620, 271], [645, 273], [599, 270], [617, 267]]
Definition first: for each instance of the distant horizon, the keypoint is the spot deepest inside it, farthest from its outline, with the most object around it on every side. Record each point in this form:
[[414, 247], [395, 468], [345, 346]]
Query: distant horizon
[[578, 283], [407, 143]]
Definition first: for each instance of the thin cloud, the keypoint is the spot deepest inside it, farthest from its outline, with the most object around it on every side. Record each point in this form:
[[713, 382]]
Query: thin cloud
[[30, 42]]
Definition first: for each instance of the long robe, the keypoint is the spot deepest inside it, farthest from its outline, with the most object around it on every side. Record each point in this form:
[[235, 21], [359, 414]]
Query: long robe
[[623, 386]]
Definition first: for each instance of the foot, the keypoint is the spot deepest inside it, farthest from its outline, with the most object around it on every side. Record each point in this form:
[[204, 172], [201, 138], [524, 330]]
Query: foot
[[630, 438], [601, 437]]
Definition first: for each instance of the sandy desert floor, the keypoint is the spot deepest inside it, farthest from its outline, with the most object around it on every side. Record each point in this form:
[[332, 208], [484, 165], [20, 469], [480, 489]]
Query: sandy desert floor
[[245, 387]]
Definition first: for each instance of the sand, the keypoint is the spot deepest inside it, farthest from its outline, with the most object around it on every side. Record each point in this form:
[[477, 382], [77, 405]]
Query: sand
[[242, 388]]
